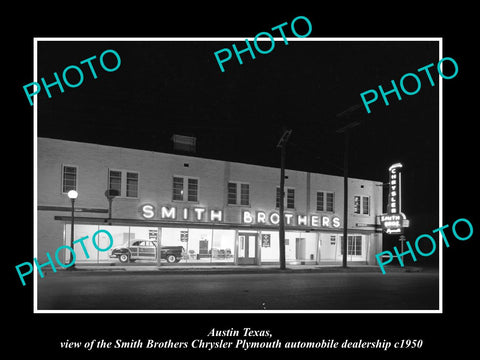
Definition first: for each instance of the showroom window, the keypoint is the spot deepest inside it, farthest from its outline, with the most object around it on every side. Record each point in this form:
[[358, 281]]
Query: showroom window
[[354, 245]]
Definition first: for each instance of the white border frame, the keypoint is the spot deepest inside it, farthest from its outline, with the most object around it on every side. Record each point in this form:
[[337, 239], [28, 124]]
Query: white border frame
[[211, 39]]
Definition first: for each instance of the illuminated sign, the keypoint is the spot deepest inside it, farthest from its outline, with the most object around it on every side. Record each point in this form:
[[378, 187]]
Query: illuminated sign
[[393, 224], [148, 212], [394, 221], [394, 199], [273, 218]]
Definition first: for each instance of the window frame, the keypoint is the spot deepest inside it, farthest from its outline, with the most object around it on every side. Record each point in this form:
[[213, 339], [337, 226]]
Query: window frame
[[123, 182], [361, 209], [189, 179], [285, 199], [368, 205], [352, 242], [238, 193], [63, 178], [137, 186], [324, 207], [186, 189]]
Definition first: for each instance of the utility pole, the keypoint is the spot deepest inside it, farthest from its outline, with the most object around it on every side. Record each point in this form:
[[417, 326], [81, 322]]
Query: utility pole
[[346, 130], [282, 145], [345, 200]]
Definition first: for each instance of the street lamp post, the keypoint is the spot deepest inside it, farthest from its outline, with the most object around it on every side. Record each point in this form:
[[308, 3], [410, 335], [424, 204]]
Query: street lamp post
[[72, 195], [110, 194]]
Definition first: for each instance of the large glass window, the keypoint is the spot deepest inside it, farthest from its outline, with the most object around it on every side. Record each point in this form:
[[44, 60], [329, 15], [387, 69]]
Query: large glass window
[[201, 245], [270, 246], [69, 178], [354, 245], [223, 246], [90, 253], [120, 236]]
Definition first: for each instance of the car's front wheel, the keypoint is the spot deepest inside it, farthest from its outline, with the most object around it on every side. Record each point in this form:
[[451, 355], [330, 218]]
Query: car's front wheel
[[171, 258], [124, 258]]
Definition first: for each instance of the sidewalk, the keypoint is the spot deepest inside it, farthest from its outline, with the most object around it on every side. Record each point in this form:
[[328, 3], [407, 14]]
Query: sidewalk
[[225, 269]]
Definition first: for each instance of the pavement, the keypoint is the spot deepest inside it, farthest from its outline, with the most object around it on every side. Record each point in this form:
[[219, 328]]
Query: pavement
[[302, 287]]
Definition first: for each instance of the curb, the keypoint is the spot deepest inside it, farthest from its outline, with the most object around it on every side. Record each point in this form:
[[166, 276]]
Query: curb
[[233, 270]]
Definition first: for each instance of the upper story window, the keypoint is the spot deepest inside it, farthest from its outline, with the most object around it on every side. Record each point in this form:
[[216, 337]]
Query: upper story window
[[132, 184], [238, 193], [289, 198], [69, 178], [185, 189], [325, 201], [126, 188], [115, 180], [366, 205], [361, 205]]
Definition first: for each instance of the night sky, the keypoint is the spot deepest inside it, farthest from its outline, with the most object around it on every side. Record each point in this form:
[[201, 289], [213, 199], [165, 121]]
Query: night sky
[[175, 87]]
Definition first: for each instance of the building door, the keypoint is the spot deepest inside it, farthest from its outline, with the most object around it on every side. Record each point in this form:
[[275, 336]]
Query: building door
[[247, 249], [328, 247], [300, 249]]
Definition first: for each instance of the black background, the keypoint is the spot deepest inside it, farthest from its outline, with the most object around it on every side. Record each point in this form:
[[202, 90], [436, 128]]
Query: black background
[[440, 332]]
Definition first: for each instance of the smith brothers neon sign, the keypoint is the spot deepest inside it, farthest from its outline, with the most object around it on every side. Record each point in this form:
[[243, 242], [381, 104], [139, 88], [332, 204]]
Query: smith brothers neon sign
[[200, 214]]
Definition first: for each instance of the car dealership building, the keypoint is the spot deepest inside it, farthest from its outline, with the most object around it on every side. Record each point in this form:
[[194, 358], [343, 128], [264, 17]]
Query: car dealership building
[[220, 212]]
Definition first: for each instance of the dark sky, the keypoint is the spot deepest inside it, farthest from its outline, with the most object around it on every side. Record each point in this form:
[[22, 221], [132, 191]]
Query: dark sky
[[168, 87]]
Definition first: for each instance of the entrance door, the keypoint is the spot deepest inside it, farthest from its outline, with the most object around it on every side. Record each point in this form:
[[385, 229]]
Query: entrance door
[[247, 249], [300, 249]]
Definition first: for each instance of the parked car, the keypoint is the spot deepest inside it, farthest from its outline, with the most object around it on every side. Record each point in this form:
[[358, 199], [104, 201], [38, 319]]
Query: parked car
[[146, 250]]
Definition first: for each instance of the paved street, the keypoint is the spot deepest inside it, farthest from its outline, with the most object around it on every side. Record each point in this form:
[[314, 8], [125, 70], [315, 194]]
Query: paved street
[[117, 290]]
